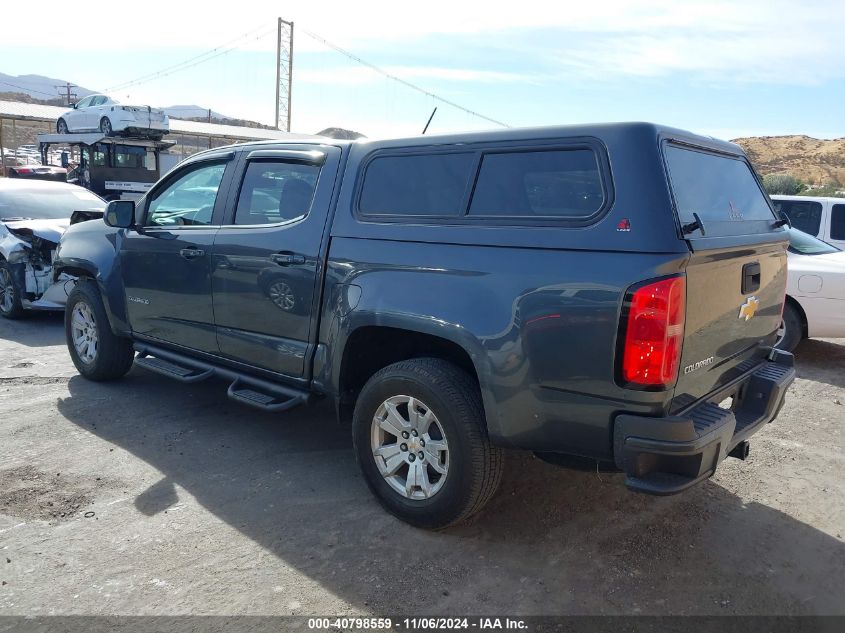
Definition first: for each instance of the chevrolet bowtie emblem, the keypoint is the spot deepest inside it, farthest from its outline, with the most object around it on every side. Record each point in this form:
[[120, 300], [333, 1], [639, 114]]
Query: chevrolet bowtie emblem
[[747, 309]]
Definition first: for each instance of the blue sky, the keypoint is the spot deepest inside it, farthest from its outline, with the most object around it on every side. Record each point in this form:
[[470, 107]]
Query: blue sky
[[729, 69]]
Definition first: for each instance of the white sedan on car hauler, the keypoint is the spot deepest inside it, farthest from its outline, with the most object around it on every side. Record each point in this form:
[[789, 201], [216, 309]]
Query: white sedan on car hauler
[[99, 113], [815, 291]]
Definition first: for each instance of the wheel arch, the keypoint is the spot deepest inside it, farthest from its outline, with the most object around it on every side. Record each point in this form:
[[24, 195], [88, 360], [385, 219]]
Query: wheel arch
[[371, 347], [805, 327], [86, 272]]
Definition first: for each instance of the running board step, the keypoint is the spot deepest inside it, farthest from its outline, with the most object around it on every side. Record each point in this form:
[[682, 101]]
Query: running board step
[[252, 390], [266, 400], [172, 370]]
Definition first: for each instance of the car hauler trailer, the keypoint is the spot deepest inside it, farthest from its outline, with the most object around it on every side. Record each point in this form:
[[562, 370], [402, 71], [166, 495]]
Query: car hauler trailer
[[114, 168]]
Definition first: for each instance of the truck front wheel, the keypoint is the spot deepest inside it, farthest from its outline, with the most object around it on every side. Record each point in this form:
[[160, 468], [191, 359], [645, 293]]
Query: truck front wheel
[[421, 442], [96, 351]]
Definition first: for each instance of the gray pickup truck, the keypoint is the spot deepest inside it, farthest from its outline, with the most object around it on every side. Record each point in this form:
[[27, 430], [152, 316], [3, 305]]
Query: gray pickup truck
[[604, 293]]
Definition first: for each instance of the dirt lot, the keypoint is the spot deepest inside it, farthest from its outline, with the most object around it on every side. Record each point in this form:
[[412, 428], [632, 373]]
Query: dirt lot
[[150, 497]]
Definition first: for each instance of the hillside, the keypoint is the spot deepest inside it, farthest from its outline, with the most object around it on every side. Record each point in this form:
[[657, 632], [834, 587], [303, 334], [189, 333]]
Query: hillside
[[811, 160], [38, 86]]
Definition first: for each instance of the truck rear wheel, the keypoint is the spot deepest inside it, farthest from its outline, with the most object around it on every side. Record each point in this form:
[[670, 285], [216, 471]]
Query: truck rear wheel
[[96, 351], [421, 442]]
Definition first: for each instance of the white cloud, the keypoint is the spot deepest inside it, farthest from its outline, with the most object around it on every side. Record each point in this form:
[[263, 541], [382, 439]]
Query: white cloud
[[358, 75], [746, 39], [719, 41]]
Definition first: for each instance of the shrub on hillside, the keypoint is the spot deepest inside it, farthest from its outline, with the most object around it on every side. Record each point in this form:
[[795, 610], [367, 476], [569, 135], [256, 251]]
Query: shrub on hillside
[[782, 184]]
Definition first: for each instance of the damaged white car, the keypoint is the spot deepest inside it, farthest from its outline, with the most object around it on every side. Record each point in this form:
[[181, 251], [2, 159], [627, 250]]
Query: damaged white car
[[33, 216]]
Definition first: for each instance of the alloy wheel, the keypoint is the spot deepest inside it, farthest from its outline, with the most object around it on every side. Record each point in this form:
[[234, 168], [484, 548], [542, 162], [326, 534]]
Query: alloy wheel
[[84, 332], [409, 447], [7, 290]]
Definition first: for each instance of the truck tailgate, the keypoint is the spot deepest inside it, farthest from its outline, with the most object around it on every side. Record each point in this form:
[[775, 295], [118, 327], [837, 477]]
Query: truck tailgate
[[736, 275], [727, 330]]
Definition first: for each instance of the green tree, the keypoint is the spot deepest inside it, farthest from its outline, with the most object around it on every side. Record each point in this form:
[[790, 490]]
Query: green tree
[[782, 184]]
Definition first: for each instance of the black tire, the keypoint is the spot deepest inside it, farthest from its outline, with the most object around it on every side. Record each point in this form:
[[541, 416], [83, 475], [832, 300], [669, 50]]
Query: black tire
[[9, 309], [61, 126], [106, 127], [793, 326], [114, 354], [474, 464]]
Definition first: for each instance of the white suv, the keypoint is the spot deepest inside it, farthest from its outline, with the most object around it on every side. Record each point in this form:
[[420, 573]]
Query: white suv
[[823, 218]]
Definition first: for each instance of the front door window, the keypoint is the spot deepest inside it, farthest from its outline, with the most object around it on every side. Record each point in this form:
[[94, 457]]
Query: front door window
[[188, 200]]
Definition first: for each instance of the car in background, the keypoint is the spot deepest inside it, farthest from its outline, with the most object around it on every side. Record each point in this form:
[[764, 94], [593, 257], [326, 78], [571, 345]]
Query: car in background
[[34, 170], [27, 150], [823, 218], [99, 113], [815, 291], [33, 216]]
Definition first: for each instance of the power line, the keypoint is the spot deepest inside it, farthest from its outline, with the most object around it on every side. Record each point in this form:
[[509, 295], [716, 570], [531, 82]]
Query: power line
[[405, 83], [222, 49], [215, 52], [41, 92]]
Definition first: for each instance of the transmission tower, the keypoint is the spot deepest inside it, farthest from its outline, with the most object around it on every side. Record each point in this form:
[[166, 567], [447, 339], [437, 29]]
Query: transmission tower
[[284, 74]]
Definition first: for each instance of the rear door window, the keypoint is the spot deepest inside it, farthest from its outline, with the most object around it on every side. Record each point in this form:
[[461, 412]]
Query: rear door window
[[804, 215], [538, 184], [275, 192], [837, 222], [722, 190]]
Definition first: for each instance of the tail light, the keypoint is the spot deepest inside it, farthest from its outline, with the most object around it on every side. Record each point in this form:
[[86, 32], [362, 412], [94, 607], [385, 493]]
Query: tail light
[[654, 333], [23, 170]]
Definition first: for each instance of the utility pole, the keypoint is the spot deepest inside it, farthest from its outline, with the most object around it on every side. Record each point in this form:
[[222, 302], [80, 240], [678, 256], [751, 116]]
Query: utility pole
[[69, 96], [284, 74]]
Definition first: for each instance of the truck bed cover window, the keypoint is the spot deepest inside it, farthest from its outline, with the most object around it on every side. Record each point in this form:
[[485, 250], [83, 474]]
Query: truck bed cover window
[[721, 189], [804, 215], [416, 184], [547, 183]]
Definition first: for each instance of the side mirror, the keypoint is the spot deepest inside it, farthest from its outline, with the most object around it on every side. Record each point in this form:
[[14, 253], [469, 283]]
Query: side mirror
[[120, 214]]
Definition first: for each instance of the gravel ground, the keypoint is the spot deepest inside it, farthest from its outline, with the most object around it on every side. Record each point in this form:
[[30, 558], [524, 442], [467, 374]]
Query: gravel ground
[[146, 496]]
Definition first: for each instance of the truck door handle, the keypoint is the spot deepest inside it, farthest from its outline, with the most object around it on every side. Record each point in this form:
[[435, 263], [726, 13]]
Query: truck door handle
[[191, 253], [286, 259], [750, 277]]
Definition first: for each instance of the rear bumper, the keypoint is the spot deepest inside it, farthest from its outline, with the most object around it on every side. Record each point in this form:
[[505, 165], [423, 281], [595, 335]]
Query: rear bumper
[[667, 455]]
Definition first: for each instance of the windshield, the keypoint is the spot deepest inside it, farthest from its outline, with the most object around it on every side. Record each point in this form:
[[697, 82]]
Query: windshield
[[804, 244], [46, 203]]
